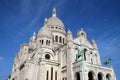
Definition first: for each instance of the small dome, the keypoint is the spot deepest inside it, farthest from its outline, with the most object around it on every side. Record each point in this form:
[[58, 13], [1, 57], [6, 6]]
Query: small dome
[[55, 21], [45, 31]]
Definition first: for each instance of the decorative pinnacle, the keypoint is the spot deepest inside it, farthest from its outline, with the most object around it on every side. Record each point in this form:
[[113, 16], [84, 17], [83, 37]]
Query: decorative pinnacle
[[54, 12], [93, 41], [45, 21], [69, 32]]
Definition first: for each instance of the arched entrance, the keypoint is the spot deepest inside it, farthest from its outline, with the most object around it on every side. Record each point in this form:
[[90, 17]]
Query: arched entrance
[[108, 77], [100, 76], [77, 76], [91, 75]]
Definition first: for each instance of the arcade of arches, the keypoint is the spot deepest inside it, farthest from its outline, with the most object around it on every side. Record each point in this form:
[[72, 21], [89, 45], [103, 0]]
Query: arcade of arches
[[92, 76]]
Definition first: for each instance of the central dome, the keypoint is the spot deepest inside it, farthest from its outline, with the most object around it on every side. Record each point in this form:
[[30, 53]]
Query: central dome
[[54, 21]]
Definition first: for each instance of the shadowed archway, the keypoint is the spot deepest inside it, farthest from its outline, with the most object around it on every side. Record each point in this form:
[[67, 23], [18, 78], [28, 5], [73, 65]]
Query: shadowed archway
[[77, 76], [108, 77], [91, 75], [100, 76]]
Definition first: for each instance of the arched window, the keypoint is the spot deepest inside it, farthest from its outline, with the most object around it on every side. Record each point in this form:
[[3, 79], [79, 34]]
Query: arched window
[[42, 42], [47, 42], [63, 41], [60, 39], [56, 27], [56, 38], [52, 27], [53, 38], [85, 53], [47, 75], [51, 73]]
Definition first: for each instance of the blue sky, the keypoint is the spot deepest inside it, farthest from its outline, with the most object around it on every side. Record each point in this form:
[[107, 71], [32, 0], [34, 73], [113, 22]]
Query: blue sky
[[20, 18]]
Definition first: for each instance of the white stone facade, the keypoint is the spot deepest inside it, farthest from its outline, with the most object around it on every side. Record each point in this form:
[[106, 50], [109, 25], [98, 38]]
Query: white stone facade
[[52, 54]]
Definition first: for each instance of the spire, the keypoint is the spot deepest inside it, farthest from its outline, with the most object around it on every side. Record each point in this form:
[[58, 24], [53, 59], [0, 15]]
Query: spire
[[54, 12]]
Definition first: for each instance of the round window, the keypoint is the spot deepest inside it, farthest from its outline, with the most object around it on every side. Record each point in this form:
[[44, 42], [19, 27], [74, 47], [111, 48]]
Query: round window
[[47, 56]]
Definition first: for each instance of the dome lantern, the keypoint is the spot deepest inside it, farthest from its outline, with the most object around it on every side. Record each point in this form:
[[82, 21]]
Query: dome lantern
[[54, 12]]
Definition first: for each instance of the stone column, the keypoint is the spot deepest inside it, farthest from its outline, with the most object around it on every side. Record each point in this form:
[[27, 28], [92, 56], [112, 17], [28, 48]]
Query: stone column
[[86, 75], [41, 72]]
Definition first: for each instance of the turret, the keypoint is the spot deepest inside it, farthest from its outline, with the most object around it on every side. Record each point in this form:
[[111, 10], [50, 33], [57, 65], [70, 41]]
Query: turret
[[32, 39], [69, 36], [81, 33], [32, 42]]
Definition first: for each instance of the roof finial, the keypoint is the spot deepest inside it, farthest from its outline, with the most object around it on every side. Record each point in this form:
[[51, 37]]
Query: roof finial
[[54, 12]]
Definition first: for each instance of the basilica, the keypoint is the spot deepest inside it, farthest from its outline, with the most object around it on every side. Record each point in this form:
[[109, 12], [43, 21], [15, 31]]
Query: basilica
[[53, 54]]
